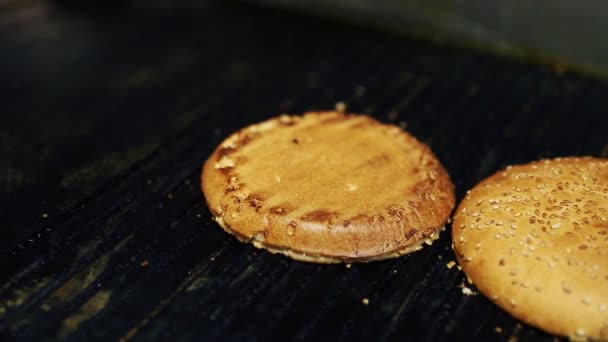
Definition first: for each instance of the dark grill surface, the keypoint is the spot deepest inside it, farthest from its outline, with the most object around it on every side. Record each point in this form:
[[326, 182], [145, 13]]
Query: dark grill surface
[[108, 114]]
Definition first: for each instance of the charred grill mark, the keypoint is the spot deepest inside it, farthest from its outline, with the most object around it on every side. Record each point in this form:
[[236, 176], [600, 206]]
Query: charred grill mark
[[242, 140], [396, 212], [224, 151], [280, 210], [319, 215], [245, 139], [411, 233], [231, 188], [233, 184], [237, 198], [255, 201]]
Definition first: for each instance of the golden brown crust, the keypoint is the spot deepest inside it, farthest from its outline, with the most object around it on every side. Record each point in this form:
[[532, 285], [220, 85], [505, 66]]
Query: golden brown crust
[[328, 187], [534, 239]]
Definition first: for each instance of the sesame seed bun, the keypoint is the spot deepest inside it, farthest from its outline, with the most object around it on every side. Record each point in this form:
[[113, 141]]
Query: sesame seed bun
[[534, 239], [328, 187]]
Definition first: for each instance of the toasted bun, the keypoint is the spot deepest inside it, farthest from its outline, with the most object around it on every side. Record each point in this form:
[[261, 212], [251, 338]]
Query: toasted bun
[[534, 239], [328, 187]]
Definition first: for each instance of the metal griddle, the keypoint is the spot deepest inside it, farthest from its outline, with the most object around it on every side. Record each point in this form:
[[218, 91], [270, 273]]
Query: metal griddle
[[108, 114]]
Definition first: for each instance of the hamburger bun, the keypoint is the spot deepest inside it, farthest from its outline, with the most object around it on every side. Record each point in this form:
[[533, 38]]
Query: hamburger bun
[[328, 187], [534, 239]]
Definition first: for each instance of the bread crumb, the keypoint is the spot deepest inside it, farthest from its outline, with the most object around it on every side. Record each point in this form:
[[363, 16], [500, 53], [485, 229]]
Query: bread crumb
[[365, 301], [348, 265], [340, 107], [467, 291], [451, 264], [285, 118], [498, 330]]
